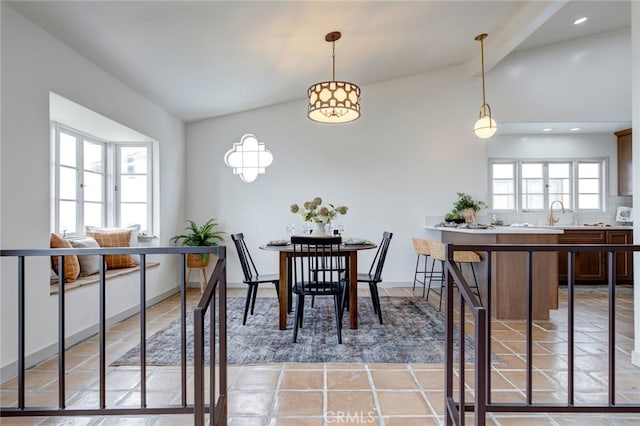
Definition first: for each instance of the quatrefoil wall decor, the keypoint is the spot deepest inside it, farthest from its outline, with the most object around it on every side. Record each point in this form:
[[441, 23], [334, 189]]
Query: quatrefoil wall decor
[[248, 158]]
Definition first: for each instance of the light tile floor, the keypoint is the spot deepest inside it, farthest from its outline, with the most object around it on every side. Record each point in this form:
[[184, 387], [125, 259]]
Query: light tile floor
[[371, 394]]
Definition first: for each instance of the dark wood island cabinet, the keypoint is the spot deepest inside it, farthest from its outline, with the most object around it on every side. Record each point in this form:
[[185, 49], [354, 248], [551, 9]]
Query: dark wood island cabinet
[[591, 267]]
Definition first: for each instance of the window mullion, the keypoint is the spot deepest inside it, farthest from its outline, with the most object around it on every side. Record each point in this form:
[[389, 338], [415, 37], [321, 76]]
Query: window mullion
[[80, 185]]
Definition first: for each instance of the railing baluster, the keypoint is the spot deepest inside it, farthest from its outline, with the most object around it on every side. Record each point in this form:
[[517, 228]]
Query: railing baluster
[[461, 363], [449, 335], [143, 330], [612, 327], [571, 261], [222, 353], [529, 366], [483, 370], [183, 328], [212, 358], [102, 334], [61, 348], [488, 319], [21, 331], [198, 367]]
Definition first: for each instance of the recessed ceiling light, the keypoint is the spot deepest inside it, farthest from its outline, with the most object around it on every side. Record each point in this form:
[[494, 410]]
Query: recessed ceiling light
[[575, 129], [548, 129], [580, 20]]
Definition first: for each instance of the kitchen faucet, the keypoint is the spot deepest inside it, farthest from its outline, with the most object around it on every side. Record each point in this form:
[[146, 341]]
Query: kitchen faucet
[[552, 220]]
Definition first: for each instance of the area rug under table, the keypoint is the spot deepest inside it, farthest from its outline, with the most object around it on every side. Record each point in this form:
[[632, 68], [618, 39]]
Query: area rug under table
[[413, 332]]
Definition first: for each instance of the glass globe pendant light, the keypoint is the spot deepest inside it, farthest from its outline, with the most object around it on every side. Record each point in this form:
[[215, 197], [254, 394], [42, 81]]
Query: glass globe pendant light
[[486, 126]]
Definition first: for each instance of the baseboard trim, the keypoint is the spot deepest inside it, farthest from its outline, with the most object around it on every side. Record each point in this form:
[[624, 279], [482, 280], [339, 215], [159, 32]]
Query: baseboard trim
[[10, 370]]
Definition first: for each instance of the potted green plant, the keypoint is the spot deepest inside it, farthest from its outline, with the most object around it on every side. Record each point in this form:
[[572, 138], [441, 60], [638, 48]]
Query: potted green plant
[[468, 207], [199, 236]]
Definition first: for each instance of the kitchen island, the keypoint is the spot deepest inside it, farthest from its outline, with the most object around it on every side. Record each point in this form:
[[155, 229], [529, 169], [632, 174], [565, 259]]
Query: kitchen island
[[508, 276]]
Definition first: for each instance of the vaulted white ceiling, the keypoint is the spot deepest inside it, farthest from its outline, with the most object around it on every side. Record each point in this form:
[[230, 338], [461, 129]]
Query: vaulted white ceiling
[[200, 59]]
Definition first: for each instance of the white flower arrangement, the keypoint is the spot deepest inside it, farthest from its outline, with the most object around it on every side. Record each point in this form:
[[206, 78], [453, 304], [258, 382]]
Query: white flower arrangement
[[314, 211]]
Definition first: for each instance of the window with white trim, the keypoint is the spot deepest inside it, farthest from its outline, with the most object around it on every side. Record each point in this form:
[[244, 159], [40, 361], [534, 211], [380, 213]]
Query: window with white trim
[[532, 185], [99, 183]]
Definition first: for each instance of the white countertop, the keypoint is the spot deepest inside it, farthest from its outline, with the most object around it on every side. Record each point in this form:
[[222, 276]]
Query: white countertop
[[501, 230], [585, 227], [559, 229]]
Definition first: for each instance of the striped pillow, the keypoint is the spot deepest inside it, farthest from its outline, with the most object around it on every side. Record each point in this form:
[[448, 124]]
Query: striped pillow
[[114, 239]]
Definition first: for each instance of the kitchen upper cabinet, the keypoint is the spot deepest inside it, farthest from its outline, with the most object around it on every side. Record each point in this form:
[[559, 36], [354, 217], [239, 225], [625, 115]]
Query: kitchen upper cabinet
[[625, 169], [591, 267]]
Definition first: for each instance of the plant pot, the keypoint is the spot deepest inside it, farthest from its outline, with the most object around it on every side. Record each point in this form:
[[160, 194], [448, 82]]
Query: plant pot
[[194, 260], [469, 215]]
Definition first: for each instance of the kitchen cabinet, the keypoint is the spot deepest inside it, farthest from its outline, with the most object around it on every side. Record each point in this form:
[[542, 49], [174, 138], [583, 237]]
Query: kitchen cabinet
[[624, 261], [591, 267], [625, 168]]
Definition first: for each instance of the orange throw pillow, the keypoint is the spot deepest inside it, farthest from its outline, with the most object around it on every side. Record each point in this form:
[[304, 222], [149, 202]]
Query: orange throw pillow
[[71, 264], [114, 239]]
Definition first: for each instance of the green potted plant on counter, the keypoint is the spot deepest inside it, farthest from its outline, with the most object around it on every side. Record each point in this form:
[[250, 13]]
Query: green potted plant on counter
[[468, 207], [199, 236]]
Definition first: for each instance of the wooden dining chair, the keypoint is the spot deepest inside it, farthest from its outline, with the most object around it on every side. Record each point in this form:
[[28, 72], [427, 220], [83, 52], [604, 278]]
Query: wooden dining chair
[[374, 276], [251, 276], [311, 280]]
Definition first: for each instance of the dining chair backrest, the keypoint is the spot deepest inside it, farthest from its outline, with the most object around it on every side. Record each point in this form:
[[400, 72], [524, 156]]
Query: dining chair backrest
[[317, 263], [248, 267], [378, 261]]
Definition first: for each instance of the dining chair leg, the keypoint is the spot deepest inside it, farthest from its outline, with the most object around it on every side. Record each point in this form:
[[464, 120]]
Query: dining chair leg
[[275, 283], [301, 316], [298, 318], [373, 288], [336, 304], [415, 275], [424, 274], [442, 284], [253, 297], [246, 304], [344, 300], [430, 278]]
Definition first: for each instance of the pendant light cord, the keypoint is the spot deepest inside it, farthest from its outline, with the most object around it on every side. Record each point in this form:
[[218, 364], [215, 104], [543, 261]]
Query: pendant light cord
[[333, 56], [482, 56]]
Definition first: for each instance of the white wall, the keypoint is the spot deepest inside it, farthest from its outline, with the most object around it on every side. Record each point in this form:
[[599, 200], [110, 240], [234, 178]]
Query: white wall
[[582, 80], [33, 64], [404, 159]]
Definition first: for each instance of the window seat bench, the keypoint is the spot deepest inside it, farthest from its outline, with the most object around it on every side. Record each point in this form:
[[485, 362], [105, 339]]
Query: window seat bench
[[95, 278]]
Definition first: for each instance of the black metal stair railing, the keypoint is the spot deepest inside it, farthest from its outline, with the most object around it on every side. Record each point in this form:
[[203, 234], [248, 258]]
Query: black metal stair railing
[[481, 318], [216, 284]]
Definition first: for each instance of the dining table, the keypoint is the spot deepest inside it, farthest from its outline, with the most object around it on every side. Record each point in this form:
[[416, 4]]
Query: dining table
[[349, 249]]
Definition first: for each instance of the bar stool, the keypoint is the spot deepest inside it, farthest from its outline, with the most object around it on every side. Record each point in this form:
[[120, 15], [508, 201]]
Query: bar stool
[[422, 250], [438, 253]]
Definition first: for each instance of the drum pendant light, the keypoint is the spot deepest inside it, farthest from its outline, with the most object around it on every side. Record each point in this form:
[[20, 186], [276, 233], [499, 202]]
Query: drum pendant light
[[333, 101]]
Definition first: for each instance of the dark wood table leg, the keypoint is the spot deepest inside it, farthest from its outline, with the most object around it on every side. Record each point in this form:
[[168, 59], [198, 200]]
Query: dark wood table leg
[[353, 289], [284, 290]]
